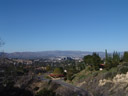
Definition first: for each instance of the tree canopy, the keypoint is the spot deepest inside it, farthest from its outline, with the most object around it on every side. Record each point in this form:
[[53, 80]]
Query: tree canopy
[[125, 57], [112, 61], [93, 60], [88, 60]]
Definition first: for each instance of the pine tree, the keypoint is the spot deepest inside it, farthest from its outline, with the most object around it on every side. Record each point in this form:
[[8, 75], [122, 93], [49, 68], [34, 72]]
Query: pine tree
[[115, 59], [106, 56]]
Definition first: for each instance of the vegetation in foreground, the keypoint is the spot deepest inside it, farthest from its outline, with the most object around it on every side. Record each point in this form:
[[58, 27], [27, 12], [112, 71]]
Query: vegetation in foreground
[[85, 74], [111, 81]]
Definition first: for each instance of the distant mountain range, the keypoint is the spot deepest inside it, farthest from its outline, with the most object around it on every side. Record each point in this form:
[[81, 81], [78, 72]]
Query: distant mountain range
[[48, 54]]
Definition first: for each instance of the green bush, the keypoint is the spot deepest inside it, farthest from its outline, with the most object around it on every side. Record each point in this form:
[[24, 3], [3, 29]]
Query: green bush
[[47, 77], [48, 68], [110, 74], [58, 71], [69, 76], [123, 70], [89, 68]]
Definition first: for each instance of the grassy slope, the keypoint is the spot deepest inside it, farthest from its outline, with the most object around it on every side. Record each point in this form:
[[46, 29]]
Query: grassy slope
[[90, 80]]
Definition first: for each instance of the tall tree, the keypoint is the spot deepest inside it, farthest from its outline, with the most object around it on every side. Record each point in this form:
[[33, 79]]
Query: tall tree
[[112, 61], [125, 57], [96, 61], [108, 64], [106, 56], [116, 57]]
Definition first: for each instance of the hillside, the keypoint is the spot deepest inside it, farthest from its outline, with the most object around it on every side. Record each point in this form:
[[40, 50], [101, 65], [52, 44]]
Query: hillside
[[104, 83]]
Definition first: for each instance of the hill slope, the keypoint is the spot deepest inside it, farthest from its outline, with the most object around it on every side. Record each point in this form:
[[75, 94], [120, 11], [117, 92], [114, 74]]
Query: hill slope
[[104, 83]]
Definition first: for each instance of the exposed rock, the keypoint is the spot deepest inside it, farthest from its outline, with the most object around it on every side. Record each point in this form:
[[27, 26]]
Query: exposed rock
[[119, 85], [103, 83]]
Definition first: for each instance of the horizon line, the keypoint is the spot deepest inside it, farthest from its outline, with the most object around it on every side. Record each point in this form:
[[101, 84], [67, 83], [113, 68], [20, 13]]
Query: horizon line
[[60, 50]]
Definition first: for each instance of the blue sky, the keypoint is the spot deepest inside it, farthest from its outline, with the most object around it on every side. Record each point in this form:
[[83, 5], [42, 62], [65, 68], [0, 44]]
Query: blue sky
[[86, 25]]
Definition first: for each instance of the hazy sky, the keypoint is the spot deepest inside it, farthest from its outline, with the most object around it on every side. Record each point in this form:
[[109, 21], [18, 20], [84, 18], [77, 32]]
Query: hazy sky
[[86, 25]]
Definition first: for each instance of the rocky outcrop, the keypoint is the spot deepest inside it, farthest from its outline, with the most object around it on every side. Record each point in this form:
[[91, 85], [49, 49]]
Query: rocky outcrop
[[119, 85], [99, 86]]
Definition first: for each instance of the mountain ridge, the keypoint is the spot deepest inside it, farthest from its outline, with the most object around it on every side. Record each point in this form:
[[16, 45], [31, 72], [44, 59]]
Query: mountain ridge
[[57, 53]]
